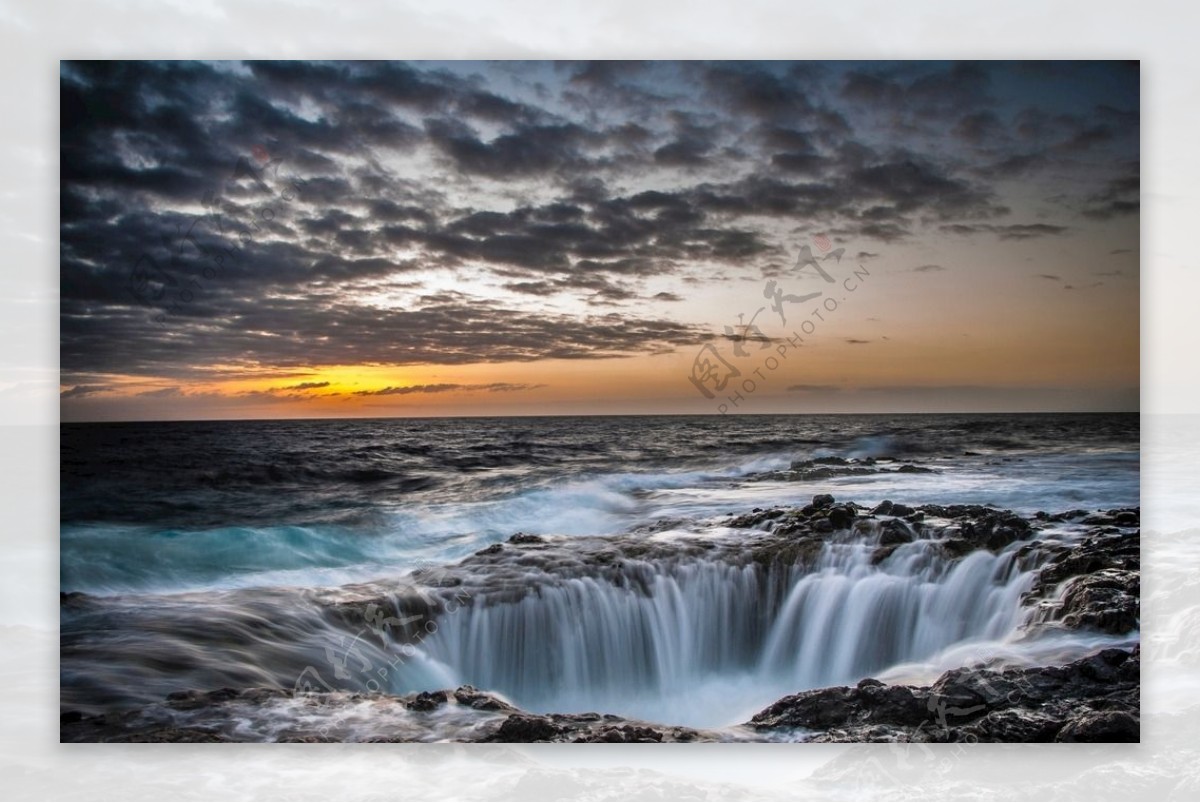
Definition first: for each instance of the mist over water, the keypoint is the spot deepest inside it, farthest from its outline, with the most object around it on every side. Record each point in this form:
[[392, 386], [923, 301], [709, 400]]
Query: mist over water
[[205, 549]]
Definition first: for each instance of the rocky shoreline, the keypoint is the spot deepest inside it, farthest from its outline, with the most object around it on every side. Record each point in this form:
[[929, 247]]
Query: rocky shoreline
[[1089, 583], [1094, 699]]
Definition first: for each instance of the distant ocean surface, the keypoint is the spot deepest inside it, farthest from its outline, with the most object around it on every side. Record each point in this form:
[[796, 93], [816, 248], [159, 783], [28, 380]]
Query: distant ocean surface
[[193, 520], [187, 505]]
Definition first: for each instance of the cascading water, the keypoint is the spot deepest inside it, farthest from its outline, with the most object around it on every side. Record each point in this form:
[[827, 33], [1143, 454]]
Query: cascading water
[[708, 642]]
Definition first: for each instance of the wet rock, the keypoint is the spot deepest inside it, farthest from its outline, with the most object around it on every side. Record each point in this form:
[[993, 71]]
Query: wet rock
[[428, 701], [757, 519], [822, 500], [1107, 601], [883, 553], [480, 701], [841, 517], [1094, 699], [900, 510], [911, 469], [626, 734], [526, 538], [1101, 726], [995, 530], [884, 508], [1127, 518], [788, 552], [894, 532], [526, 728], [491, 550], [956, 547], [1120, 551], [843, 706]]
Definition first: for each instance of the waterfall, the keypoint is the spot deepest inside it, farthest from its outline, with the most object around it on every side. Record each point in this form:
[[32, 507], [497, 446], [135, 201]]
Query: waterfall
[[710, 641]]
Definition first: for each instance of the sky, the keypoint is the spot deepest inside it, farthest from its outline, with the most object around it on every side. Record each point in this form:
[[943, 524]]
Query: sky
[[368, 239]]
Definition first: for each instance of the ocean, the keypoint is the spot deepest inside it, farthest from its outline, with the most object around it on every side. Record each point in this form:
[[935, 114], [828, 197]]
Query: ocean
[[204, 555]]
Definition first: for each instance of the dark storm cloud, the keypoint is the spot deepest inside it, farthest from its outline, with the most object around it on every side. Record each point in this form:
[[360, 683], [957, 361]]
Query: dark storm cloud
[[979, 128], [288, 332], [1012, 231], [912, 94], [529, 150], [692, 142], [1121, 196], [323, 186], [759, 92], [83, 390]]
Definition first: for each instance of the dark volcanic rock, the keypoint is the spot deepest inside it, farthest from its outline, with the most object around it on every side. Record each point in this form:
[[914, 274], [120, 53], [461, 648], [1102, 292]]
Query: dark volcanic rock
[[1101, 726], [843, 706], [1108, 600], [895, 532], [1100, 581], [428, 701], [624, 734], [1100, 552], [802, 551], [526, 728], [481, 701], [841, 517], [822, 500], [1094, 699]]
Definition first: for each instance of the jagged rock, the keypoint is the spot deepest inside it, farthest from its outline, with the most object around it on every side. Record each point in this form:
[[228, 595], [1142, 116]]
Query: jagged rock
[[428, 701], [893, 532], [1101, 726], [526, 538], [841, 517], [1120, 551], [623, 734], [956, 547], [804, 552], [481, 701], [1094, 699], [757, 519], [1107, 600], [843, 706]]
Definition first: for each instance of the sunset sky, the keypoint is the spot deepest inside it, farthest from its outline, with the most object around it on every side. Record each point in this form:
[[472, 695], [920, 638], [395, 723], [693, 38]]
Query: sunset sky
[[296, 239]]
